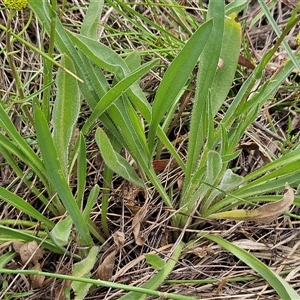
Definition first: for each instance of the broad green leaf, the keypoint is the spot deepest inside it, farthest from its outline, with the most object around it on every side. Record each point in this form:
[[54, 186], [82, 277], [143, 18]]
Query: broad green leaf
[[133, 60], [230, 51], [155, 261], [56, 175], [106, 58], [101, 54], [65, 112], [114, 160], [61, 232], [229, 182], [283, 289], [176, 76], [83, 269], [213, 166], [91, 19]]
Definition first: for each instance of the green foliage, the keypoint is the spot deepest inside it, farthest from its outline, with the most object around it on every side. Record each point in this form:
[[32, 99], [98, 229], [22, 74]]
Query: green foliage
[[155, 261], [65, 112], [284, 290], [83, 269], [109, 84]]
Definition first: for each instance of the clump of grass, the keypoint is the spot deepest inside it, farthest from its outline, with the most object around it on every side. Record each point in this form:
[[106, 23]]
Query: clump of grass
[[124, 136]]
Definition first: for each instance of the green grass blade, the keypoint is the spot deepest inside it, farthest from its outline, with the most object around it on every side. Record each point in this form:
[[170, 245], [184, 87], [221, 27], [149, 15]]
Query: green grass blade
[[176, 76], [56, 175], [17, 234], [235, 6], [23, 206], [81, 169], [6, 258], [284, 290], [278, 32], [91, 200], [291, 157], [65, 112], [10, 157], [116, 4], [31, 158]]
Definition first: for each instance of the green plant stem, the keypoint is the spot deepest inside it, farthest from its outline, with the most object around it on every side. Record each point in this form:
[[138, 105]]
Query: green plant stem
[[102, 283], [12, 66], [21, 223]]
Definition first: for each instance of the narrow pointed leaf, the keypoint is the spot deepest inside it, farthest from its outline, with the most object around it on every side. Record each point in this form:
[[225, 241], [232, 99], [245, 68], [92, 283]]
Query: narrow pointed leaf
[[176, 76], [23, 206], [284, 290], [65, 112], [56, 175], [116, 91]]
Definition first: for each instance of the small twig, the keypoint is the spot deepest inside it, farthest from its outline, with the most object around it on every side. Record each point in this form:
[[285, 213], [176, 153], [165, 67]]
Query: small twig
[[268, 132]]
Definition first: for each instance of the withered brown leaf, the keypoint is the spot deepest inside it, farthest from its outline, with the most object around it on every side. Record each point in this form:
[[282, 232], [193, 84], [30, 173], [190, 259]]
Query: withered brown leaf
[[119, 239], [263, 214], [26, 250], [136, 226], [105, 269], [37, 281]]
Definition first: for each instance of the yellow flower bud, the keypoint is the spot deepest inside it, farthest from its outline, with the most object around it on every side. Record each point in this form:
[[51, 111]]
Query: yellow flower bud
[[298, 38], [15, 4]]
